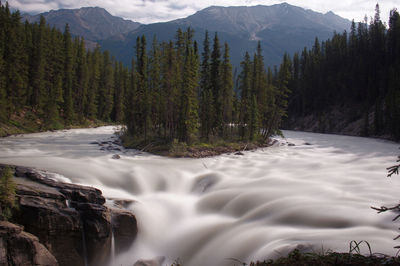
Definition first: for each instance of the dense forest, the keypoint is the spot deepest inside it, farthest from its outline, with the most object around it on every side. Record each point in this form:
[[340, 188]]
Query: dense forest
[[175, 95], [169, 92], [50, 76], [354, 72]]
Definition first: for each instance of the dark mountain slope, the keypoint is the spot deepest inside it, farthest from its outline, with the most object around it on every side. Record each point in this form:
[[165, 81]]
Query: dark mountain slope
[[280, 28], [93, 23]]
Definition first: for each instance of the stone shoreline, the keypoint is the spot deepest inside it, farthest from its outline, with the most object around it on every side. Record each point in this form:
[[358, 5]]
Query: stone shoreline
[[70, 221]]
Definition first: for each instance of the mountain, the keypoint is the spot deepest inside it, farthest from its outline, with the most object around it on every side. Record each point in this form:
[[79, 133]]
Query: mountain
[[280, 28], [93, 23]]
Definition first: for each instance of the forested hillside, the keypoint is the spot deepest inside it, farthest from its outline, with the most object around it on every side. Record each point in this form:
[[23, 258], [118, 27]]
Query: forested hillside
[[168, 95], [350, 80], [48, 80]]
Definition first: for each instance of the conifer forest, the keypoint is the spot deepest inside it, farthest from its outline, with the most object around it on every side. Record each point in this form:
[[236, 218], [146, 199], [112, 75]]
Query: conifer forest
[[175, 91]]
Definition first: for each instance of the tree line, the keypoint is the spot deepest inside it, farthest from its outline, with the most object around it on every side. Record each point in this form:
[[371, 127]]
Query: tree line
[[169, 92], [358, 69], [176, 94], [51, 74]]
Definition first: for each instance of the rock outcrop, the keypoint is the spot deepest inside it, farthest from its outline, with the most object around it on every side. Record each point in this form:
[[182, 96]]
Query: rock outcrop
[[124, 226], [70, 220], [21, 248]]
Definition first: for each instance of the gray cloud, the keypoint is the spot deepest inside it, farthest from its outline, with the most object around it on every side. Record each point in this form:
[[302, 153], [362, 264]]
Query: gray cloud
[[148, 11]]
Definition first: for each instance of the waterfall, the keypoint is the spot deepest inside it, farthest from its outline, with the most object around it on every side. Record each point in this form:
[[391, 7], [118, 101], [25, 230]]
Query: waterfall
[[84, 250], [112, 247], [253, 207]]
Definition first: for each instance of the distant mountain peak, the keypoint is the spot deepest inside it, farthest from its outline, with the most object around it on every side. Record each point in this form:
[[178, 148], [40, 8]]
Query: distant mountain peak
[[93, 23]]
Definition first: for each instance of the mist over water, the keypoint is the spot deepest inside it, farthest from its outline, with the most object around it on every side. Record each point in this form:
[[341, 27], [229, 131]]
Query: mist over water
[[253, 207]]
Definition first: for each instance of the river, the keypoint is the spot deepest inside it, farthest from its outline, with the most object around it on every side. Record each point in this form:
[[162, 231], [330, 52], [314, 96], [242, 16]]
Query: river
[[315, 196]]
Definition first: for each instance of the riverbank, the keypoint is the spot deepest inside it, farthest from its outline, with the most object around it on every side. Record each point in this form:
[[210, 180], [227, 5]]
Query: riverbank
[[339, 120], [28, 121], [62, 223], [177, 149], [248, 207], [296, 258]]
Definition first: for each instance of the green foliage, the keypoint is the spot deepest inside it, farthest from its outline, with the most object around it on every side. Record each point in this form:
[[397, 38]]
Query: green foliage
[[8, 201], [53, 77], [356, 69]]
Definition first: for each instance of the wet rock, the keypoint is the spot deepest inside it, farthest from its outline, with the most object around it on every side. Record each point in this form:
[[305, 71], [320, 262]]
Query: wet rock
[[274, 142], [94, 142], [124, 226], [70, 220], [291, 144], [157, 261], [18, 247], [122, 203], [239, 153], [116, 156], [306, 143]]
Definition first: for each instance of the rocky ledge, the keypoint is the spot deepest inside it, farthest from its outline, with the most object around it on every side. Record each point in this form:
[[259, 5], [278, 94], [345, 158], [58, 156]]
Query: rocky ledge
[[71, 221]]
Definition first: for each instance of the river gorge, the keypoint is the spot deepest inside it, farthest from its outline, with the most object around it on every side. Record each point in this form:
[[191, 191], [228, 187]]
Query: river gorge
[[308, 191]]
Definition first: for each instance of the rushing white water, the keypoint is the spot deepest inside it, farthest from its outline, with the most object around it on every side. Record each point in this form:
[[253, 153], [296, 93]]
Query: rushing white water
[[252, 207]]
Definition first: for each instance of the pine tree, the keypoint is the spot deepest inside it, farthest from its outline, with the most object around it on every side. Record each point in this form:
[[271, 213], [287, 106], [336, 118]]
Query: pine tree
[[16, 63], [215, 82], [106, 88], [189, 105], [227, 91], [155, 87], [245, 97], [38, 69], [82, 80], [94, 83], [206, 96], [68, 78], [3, 92]]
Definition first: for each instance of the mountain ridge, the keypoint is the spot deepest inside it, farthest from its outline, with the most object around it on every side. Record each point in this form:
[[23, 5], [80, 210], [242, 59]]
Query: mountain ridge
[[280, 28], [93, 23]]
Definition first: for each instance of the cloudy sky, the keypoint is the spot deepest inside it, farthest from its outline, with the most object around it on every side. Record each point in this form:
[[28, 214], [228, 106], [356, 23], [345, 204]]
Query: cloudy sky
[[149, 11]]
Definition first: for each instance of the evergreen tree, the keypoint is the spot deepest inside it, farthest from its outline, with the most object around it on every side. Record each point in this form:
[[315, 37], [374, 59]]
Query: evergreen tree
[[215, 83], [189, 105], [82, 80], [68, 78], [227, 91], [38, 61], [206, 95], [155, 87], [94, 61], [246, 97], [106, 88], [8, 200]]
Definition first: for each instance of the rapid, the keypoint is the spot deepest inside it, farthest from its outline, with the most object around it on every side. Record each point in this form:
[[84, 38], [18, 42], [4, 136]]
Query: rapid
[[315, 195]]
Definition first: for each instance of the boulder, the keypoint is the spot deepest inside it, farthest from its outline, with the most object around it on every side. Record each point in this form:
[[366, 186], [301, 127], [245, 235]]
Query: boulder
[[157, 261], [18, 247], [70, 220], [124, 226]]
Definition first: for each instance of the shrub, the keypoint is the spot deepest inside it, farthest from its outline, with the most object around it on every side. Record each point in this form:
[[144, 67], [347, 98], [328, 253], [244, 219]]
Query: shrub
[[7, 193]]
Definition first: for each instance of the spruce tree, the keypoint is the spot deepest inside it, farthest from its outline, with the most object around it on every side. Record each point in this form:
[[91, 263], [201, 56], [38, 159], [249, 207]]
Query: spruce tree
[[155, 92], [206, 95], [215, 83], [82, 80], [227, 92], [94, 61], [68, 78], [245, 97]]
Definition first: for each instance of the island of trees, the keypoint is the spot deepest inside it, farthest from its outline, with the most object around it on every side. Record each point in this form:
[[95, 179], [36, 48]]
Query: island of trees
[[175, 92]]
